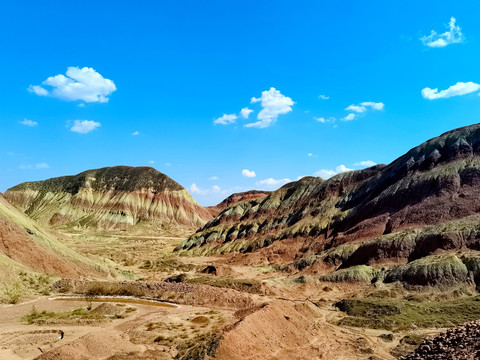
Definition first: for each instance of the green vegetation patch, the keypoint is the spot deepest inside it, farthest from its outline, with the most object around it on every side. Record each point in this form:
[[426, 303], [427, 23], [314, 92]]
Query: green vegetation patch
[[401, 314], [352, 274], [431, 270], [42, 317]]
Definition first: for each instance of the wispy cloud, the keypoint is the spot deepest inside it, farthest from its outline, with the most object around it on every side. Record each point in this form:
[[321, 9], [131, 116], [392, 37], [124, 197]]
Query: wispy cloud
[[373, 105], [36, 166], [323, 97], [28, 122], [248, 173], [83, 84], [84, 126], [453, 35], [328, 173], [136, 133], [226, 119], [213, 178], [273, 182], [460, 88], [356, 108], [323, 120], [273, 104], [349, 117], [196, 190], [365, 163]]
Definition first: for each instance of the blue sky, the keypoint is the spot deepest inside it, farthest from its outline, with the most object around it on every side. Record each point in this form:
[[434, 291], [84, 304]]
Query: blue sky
[[171, 70]]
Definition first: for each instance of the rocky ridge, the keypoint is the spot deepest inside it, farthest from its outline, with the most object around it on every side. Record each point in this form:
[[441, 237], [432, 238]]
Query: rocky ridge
[[405, 213]]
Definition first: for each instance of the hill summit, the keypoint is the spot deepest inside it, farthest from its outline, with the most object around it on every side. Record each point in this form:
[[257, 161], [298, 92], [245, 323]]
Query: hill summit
[[111, 198]]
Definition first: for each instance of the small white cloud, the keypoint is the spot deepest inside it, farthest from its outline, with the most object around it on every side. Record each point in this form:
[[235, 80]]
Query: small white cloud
[[245, 112], [28, 122], [274, 182], [36, 166], [84, 126], [309, 154], [373, 105], [273, 104], [365, 163], [349, 117], [226, 119], [452, 36], [196, 190], [356, 108], [323, 120], [136, 133], [325, 174], [213, 178], [151, 162], [248, 173], [168, 164], [323, 97], [79, 84], [460, 88]]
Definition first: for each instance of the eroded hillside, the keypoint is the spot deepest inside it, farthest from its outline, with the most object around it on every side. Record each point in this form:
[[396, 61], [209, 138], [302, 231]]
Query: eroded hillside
[[114, 198]]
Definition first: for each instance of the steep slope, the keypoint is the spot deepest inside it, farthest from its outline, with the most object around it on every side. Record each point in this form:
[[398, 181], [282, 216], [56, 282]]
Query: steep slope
[[26, 247], [111, 198], [426, 200]]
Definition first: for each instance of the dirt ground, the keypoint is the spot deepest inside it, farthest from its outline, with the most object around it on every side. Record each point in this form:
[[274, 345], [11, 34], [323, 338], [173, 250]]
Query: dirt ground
[[277, 318]]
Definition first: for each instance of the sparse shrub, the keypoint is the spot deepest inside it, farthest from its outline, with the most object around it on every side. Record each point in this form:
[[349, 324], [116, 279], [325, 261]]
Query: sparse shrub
[[12, 292]]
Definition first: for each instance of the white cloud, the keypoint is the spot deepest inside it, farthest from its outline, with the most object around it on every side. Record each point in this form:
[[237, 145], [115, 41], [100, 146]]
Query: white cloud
[[273, 104], [196, 190], [245, 112], [151, 162], [226, 119], [135, 133], [79, 84], [365, 163], [349, 117], [28, 122], [356, 108], [38, 90], [310, 154], [373, 105], [460, 88], [274, 182], [213, 178], [248, 173], [84, 126], [452, 36], [323, 120], [168, 164], [325, 174], [36, 166], [323, 97]]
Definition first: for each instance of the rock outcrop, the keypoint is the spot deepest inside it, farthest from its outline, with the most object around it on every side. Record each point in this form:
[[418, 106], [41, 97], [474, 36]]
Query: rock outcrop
[[426, 201], [111, 198]]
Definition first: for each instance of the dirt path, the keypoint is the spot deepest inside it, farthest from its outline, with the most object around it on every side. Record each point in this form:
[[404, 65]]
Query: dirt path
[[95, 340]]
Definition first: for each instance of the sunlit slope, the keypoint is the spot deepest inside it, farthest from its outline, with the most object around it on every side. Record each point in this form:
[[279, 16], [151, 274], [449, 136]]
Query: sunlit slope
[[25, 246], [139, 199]]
